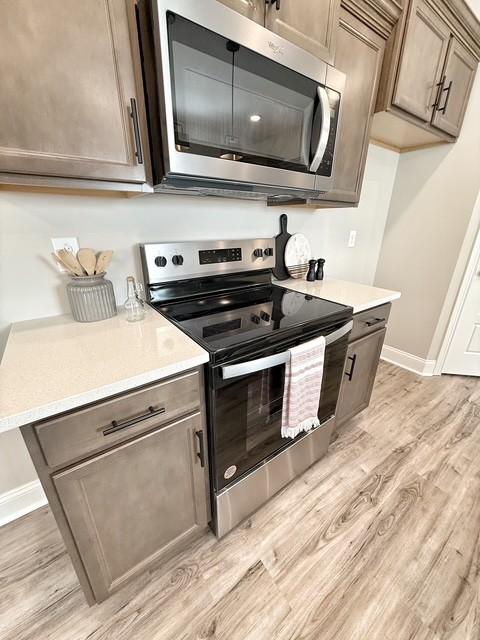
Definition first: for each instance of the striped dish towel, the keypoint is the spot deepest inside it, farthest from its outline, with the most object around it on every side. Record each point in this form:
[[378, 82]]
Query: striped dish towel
[[303, 382]]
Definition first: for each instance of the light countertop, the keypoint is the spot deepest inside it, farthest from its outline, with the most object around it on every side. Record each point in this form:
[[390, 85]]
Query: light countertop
[[359, 296], [55, 364]]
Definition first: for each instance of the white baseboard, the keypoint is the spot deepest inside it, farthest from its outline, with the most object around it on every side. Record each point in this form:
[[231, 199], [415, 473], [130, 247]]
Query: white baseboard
[[408, 361], [21, 500]]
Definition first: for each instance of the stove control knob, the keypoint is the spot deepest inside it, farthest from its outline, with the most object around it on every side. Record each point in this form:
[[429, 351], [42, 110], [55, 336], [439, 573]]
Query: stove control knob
[[177, 260], [161, 261], [258, 253], [255, 319], [268, 252]]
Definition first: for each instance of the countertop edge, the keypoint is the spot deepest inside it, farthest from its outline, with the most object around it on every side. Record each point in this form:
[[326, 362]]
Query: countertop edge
[[128, 384], [364, 307]]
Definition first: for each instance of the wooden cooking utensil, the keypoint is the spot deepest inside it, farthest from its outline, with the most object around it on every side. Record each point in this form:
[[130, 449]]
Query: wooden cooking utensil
[[103, 260], [62, 264], [71, 262], [88, 260]]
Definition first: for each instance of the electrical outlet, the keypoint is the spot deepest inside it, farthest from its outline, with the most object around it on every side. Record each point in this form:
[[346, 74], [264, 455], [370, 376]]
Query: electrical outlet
[[69, 244], [352, 238]]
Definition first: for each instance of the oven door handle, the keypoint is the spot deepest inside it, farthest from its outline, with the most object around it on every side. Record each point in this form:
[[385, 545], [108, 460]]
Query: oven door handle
[[252, 366], [324, 105]]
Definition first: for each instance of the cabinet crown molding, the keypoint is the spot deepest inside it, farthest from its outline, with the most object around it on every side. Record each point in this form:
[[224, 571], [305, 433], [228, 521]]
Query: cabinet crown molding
[[462, 21], [380, 15]]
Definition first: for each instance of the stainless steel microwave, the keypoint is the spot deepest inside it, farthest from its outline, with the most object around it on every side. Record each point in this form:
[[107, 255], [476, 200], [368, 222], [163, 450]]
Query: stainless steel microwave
[[234, 109]]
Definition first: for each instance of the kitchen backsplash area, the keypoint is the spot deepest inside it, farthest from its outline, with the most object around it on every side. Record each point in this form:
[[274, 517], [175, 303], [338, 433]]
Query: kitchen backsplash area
[[29, 220]]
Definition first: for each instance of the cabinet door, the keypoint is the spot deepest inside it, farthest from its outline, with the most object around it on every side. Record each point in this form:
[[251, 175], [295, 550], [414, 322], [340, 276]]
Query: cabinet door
[[457, 84], [361, 365], [310, 25], [253, 9], [67, 87], [359, 54], [136, 503], [422, 61]]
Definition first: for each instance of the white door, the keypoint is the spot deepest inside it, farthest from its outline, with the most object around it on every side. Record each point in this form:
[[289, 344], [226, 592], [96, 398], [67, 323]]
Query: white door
[[463, 356]]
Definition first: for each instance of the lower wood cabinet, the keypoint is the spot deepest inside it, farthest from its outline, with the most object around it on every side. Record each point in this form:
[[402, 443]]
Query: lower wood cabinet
[[360, 370], [136, 503]]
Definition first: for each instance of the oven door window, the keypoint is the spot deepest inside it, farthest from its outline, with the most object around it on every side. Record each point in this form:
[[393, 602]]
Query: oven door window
[[246, 414], [232, 103], [248, 419]]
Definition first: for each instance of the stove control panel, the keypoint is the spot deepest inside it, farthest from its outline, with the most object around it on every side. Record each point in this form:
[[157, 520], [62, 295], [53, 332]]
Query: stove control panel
[[165, 262], [214, 256]]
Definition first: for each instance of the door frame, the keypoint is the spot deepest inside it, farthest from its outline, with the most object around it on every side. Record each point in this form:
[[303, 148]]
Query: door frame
[[472, 238]]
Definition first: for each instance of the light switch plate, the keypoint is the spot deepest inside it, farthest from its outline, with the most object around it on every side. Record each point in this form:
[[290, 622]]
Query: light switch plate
[[352, 238], [69, 244]]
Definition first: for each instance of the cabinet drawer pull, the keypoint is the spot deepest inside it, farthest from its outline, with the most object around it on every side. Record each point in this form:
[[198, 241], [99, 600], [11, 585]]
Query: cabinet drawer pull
[[349, 374], [372, 323], [440, 84], [136, 130], [447, 97], [201, 453], [118, 426]]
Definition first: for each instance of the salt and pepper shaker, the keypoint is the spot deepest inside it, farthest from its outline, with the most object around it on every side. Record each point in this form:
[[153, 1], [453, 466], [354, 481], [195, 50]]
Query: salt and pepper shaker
[[311, 270], [319, 272]]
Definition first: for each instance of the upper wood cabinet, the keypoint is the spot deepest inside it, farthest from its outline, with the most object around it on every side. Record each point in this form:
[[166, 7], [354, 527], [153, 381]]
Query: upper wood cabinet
[[253, 9], [359, 54], [421, 65], [310, 25], [70, 103], [431, 60], [455, 88]]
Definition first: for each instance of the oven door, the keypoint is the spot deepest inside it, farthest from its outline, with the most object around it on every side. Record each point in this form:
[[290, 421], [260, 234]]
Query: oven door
[[246, 406], [240, 103]]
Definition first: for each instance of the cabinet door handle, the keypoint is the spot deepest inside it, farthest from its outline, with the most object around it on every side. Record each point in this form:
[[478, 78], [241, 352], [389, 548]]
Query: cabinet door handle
[[372, 323], [349, 374], [440, 84], [136, 130], [275, 2], [447, 97], [118, 426], [201, 453]]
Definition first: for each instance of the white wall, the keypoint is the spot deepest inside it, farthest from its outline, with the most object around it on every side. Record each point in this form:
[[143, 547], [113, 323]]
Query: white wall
[[431, 208], [30, 286]]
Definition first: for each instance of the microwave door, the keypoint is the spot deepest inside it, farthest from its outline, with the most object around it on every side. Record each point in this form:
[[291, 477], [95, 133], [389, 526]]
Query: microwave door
[[237, 114]]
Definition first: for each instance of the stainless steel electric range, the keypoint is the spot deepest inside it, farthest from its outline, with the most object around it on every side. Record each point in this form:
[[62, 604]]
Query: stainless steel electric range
[[220, 294]]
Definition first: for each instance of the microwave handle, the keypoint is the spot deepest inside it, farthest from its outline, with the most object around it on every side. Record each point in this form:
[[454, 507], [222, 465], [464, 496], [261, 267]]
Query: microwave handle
[[324, 105], [252, 366]]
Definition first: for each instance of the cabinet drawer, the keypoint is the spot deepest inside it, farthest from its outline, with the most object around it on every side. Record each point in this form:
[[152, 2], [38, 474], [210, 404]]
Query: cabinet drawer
[[369, 321], [79, 434]]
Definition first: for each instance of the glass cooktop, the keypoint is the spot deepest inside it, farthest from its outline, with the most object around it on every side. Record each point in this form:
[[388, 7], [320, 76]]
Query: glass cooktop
[[261, 313]]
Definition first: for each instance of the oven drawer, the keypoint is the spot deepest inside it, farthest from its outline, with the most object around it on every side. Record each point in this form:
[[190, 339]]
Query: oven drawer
[[369, 321], [78, 434]]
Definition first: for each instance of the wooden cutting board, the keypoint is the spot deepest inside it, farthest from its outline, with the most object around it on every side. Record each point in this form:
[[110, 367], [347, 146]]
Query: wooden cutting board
[[280, 271]]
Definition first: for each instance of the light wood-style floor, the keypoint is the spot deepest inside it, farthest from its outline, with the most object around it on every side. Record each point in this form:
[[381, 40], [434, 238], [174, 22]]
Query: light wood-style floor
[[378, 541]]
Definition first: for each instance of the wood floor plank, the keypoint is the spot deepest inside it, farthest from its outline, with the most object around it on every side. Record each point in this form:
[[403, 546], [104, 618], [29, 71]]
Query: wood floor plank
[[380, 540]]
